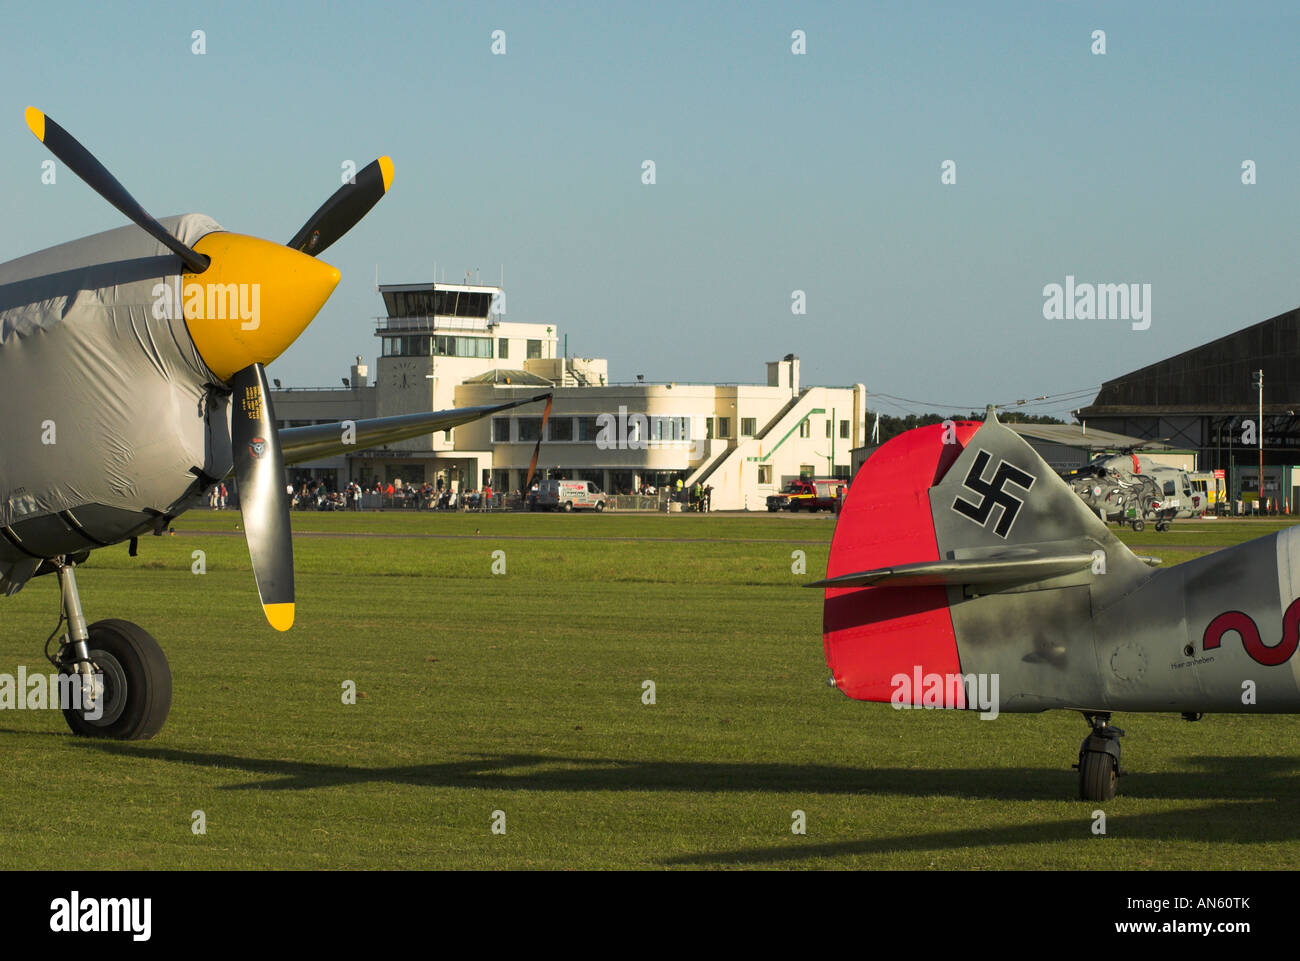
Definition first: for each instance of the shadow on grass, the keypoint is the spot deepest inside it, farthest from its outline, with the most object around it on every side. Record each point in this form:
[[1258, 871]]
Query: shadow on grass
[[1242, 822], [1220, 778]]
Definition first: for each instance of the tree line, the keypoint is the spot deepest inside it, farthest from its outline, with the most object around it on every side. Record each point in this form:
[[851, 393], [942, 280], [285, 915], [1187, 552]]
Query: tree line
[[891, 426]]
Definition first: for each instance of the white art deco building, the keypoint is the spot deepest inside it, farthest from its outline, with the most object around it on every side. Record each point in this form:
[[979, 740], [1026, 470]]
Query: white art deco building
[[447, 345]]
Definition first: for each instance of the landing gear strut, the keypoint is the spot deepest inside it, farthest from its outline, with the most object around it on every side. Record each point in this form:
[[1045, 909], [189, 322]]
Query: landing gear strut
[[77, 638], [1098, 765], [125, 682]]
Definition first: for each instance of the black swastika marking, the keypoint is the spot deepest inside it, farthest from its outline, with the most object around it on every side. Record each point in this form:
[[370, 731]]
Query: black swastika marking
[[992, 493]]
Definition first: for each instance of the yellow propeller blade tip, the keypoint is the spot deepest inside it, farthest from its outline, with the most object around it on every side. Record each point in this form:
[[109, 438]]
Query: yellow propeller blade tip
[[36, 120], [280, 616], [386, 168]]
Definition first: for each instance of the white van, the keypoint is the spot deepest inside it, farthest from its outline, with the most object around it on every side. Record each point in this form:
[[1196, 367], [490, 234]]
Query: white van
[[566, 495]]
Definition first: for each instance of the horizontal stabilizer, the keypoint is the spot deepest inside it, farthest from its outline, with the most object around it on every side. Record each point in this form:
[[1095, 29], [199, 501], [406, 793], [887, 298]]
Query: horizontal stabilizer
[[1017, 570]]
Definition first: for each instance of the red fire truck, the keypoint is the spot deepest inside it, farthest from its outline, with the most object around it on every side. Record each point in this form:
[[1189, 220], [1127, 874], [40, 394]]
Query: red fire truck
[[807, 494]]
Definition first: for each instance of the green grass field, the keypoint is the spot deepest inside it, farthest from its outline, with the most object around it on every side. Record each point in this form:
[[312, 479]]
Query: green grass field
[[522, 693]]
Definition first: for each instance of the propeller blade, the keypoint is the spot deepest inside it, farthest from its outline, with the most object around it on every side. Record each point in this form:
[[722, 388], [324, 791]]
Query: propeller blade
[[345, 208], [537, 449], [83, 163], [259, 471]]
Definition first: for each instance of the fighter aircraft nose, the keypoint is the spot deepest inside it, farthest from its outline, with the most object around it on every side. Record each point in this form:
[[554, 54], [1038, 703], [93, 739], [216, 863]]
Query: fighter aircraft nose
[[253, 301]]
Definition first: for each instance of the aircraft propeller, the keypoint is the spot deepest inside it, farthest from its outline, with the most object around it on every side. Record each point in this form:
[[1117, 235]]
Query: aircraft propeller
[[263, 496], [292, 289], [345, 208], [83, 163]]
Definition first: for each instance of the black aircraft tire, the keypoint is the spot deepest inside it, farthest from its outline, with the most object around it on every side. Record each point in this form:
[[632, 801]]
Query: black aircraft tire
[[137, 684], [1139, 526], [1097, 777]]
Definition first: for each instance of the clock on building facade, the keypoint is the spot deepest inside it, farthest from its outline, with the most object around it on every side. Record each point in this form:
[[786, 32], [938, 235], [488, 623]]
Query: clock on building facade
[[403, 374]]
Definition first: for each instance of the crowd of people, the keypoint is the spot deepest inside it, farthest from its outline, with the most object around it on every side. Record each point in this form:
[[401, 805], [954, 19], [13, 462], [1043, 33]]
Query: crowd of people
[[698, 497], [317, 496], [395, 494]]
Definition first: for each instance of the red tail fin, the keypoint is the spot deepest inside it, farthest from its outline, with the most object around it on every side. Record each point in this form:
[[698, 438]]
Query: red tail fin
[[873, 634]]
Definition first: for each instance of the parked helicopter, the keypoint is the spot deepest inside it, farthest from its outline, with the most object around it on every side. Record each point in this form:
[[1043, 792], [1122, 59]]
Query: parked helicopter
[[1133, 489], [132, 380], [965, 573]]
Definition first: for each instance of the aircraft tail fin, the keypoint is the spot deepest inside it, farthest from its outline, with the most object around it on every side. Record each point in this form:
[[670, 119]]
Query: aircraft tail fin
[[938, 514]]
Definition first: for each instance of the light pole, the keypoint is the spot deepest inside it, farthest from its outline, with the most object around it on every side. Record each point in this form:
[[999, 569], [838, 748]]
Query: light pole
[[1232, 466], [831, 472], [1259, 382]]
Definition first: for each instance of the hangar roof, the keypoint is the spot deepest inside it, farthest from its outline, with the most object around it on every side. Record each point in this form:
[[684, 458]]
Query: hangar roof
[[1074, 435], [1215, 378]]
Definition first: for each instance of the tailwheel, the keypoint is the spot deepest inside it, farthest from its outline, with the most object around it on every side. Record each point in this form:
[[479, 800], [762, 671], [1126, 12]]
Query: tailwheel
[[1098, 765], [136, 684]]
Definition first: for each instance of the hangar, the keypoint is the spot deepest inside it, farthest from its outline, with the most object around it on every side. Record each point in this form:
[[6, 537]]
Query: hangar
[[1207, 400]]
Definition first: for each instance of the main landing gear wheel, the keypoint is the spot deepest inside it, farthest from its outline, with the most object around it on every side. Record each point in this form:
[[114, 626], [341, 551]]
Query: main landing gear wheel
[[1098, 765], [137, 684], [1097, 777]]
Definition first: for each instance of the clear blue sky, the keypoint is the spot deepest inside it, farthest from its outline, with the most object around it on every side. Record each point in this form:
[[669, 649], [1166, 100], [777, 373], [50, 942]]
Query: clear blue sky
[[775, 172]]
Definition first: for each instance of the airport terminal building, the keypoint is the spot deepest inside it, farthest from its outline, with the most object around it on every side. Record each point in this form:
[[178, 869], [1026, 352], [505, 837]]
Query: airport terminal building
[[448, 345], [1206, 400]]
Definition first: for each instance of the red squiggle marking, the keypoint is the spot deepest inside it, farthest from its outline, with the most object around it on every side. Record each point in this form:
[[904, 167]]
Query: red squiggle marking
[[1269, 656]]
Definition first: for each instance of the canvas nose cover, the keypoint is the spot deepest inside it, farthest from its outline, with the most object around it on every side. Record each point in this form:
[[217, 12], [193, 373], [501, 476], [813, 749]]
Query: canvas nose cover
[[253, 301]]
